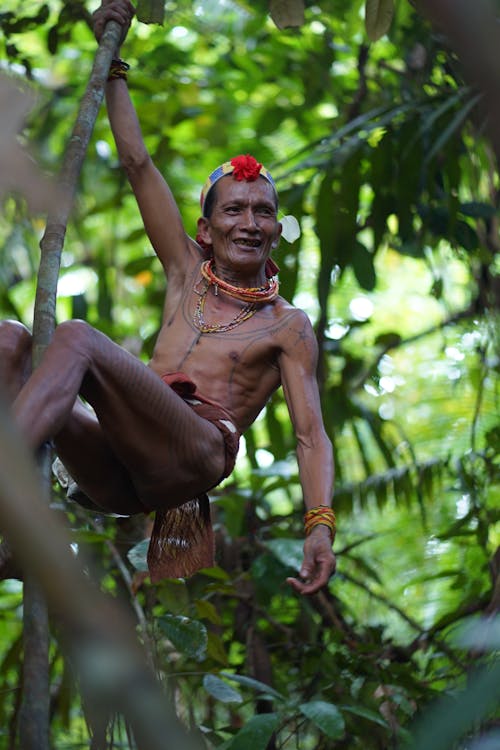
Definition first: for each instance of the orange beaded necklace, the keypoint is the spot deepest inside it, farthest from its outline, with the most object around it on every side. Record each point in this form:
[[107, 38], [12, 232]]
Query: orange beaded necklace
[[265, 293], [250, 295]]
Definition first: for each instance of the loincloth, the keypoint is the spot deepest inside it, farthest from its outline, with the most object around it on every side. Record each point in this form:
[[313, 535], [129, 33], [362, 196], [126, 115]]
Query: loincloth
[[182, 539]]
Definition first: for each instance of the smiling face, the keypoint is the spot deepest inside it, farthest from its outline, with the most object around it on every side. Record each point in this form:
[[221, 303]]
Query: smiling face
[[242, 228]]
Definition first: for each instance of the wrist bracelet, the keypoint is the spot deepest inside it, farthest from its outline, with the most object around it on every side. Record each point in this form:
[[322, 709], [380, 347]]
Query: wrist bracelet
[[118, 69], [321, 514]]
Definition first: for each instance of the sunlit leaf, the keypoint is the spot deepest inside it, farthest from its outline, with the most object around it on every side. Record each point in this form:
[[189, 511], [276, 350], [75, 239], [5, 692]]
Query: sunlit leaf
[[138, 555], [287, 13], [378, 17], [151, 11]]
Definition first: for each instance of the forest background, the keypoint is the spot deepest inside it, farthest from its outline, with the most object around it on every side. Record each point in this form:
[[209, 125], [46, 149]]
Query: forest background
[[380, 147]]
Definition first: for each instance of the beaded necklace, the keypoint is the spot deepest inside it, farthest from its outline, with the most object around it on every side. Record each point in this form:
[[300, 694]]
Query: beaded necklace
[[265, 293], [204, 327], [250, 295]]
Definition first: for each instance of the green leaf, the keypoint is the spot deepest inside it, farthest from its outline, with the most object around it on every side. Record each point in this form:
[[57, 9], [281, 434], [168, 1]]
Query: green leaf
[[326, 716], [216, 572], [477, 210], [452, 128], [215, 648], [136, 265], [362, 263], [466, 236], [220, 690], [444, 723], [207, 611], [290, 552], [138, 556], [151, 11], [287, 13], [173, 596], [365, 713], [378, 17], [260, 687], [388, 340], [256, 733], [189, 636]]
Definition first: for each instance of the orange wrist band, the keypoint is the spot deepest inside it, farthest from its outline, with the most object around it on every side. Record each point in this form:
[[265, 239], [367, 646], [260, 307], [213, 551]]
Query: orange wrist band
[[322, 514]]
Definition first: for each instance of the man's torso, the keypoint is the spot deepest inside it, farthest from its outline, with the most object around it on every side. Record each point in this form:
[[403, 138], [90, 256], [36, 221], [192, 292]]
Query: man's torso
[[238, 367]]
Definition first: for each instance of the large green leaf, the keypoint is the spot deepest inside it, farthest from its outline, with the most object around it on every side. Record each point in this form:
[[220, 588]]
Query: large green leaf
[[253, 684], [286, 13], [365, 713], [378, 17], [290, 552], [364, 269], [256, 733], [326, 716], [151, 11], [189, 636], [220, 690]]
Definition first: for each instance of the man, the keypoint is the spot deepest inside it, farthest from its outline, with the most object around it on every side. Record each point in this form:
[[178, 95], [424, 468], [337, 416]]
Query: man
[[162, 435]]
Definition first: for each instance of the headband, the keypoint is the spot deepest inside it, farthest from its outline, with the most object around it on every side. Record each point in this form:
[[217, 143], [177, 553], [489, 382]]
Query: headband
[[246, 167], [243, 167]]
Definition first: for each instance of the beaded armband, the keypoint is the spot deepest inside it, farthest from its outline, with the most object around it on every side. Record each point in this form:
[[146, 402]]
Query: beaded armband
[[322, 514], [118, 69]]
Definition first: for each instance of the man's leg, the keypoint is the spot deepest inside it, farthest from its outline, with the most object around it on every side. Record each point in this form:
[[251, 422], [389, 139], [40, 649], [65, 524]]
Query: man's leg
[[84, 436], [15, 357], [168, 452]]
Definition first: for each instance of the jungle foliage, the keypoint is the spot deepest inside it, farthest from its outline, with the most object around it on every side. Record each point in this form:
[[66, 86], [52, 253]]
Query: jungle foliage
[[379, 149]]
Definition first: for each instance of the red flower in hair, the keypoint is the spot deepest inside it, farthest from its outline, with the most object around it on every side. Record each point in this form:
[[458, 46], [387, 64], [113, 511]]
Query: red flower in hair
[[245, 168]]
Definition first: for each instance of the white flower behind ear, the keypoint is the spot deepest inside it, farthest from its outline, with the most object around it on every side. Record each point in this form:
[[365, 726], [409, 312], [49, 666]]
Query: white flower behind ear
[[290, 228]]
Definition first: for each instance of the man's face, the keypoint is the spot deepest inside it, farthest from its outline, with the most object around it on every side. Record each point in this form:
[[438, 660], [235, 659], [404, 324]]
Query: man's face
[[243, 227]]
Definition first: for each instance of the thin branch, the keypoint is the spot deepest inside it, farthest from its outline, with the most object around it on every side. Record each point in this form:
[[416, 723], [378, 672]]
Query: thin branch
[[469, 312], [424, 635]]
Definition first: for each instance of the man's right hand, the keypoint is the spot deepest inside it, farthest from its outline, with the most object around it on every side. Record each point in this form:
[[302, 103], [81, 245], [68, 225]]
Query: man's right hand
[[121, 11]]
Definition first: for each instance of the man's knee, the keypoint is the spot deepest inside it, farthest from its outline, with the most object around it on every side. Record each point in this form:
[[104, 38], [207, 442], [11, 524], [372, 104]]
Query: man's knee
[[14, 338], [75, 335]]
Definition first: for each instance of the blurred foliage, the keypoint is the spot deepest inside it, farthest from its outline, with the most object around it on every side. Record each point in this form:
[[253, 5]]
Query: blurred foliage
[[377, 148]]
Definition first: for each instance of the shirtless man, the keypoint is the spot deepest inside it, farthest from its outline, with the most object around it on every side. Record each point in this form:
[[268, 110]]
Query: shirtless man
[[226, 339]]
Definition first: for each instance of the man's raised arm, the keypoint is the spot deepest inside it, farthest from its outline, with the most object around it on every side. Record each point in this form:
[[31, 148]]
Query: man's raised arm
[[157, 205]]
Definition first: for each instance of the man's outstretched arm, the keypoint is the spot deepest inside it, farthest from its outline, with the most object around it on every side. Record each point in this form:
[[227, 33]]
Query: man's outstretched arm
[[157, 205], [314, 450]]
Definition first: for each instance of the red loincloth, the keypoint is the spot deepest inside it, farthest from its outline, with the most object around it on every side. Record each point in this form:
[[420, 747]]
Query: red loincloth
[[182, 540]]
